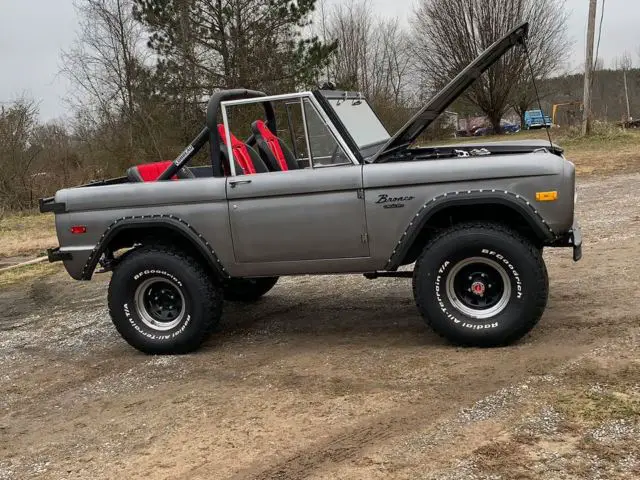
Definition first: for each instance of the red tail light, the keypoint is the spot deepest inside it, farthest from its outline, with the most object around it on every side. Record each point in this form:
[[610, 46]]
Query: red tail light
[[78, 229]]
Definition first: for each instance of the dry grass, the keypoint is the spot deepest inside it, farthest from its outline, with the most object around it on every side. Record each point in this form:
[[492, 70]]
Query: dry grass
[[602, 389], [599, 406], [590, 432], [27, 235]]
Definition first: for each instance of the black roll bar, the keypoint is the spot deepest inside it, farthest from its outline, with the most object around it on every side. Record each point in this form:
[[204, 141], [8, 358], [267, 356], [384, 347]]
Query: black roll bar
[[212, 120], [186, 155], [210, 131]]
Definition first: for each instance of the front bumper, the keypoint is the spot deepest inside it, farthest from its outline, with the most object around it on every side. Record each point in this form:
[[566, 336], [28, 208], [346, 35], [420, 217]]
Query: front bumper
[[572, 239], [576, 237]]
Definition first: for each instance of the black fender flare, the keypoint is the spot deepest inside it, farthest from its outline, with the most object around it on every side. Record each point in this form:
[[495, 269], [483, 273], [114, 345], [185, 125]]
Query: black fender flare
[[469, 197], [172, 222]]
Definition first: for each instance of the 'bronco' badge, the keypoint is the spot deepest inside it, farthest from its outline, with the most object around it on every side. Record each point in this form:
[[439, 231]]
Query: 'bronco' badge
[[392, 202]]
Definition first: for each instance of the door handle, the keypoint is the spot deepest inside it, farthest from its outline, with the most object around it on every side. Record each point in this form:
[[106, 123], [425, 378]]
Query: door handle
[[233, 183]]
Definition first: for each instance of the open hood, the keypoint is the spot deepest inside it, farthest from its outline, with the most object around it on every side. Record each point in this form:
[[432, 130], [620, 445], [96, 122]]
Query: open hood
[[438, 104]]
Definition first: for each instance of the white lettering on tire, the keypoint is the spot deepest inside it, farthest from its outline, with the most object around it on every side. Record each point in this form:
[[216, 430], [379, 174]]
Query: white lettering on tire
[[444, 309], [144, 273], [510, 267], [153, 336]]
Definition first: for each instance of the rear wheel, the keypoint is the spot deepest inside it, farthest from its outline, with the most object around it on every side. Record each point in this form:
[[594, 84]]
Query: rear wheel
[[481, 285], [248, 289], [162, 301]]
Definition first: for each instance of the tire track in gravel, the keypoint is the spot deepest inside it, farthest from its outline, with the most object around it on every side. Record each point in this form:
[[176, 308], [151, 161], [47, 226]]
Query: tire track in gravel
[[433, 403]]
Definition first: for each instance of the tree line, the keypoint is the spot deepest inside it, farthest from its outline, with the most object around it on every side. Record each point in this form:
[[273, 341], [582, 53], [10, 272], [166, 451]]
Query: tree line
[[142, 70]]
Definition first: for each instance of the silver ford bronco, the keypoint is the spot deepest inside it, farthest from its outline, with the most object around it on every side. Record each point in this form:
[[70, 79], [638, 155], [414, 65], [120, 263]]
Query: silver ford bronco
[[331, 192]]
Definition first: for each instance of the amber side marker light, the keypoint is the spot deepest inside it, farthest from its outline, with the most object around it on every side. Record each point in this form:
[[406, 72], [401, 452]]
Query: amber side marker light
[[78, 229], [546, 196]]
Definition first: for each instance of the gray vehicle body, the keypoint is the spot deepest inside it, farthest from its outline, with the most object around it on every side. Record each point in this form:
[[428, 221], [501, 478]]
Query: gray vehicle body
[[364, 216]]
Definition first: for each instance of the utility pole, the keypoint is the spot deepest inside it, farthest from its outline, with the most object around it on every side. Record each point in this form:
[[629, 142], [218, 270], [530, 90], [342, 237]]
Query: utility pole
[[588, 68], [626, 94]]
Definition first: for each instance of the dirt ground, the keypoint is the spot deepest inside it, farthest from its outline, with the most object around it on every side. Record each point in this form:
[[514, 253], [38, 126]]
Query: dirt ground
[[337, 377]]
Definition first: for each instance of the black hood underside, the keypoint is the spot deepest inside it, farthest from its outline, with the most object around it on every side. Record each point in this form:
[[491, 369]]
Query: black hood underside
[[439, 103]]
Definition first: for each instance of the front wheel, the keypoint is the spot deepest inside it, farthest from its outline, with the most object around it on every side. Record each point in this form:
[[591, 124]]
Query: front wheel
[[163, 301], [481, 285]]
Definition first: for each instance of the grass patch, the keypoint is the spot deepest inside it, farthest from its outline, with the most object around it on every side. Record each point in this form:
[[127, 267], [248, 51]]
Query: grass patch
[[27, 273], [26, 234], [596, 407], [499, 456]]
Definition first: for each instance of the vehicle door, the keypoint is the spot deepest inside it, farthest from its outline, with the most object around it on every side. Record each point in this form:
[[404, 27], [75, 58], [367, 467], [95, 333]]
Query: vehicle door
[[309, 214]]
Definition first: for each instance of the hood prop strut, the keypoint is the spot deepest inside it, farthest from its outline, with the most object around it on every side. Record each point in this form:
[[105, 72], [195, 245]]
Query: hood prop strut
[[535, 89]]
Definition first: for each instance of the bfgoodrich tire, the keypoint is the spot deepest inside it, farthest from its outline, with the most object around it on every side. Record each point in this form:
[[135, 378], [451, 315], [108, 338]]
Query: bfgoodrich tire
[[481, 285], [248, 289], [162, 301]]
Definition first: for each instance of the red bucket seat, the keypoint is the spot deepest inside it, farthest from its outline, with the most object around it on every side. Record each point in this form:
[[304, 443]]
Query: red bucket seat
[[149, 172], [273, 150], [247, 161]]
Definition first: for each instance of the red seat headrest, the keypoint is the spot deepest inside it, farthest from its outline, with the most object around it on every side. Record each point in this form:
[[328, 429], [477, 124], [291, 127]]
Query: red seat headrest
[[240, 152], [273, 144]]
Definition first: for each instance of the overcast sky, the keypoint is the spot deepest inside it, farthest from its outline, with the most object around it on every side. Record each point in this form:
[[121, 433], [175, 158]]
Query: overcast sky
[[32, 33]]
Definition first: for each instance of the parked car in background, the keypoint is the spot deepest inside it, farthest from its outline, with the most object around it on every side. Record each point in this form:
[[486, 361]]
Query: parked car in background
[[536, 119]]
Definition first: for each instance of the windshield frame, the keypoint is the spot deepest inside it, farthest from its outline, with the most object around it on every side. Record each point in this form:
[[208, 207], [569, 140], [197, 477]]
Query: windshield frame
[[324, 97], [337, 95], [334, 129]]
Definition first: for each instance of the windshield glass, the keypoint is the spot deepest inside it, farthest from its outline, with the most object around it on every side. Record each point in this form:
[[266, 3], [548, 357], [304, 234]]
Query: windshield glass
[[360, 120]]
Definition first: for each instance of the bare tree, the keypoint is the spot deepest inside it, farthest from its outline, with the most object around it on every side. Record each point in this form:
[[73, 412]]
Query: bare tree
[[449, 34], [548, 49], [372, 53], [106, 66], [390, 62], [625, 64], [372, 56], [17, 154], [351, 26]]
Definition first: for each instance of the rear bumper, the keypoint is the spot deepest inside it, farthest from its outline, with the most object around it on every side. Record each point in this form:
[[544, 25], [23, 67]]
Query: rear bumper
[[49, 204], [55, 255], [572, 239], [75, 260]]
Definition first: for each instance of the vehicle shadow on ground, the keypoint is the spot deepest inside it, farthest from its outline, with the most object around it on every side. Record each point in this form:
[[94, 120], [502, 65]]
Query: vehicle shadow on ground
[[370, 319]]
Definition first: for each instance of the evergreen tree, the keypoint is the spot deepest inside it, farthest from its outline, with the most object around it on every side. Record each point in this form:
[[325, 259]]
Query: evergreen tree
[[204, 45]]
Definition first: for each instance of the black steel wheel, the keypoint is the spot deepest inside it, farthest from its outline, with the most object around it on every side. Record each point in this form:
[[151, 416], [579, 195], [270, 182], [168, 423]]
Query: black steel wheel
[[481, 285], [162, 301]]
